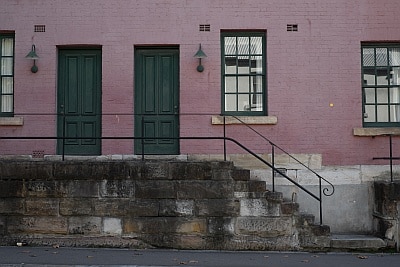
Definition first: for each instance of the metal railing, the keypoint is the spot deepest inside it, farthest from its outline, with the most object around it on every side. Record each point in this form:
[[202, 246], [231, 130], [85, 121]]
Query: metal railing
[[319, 197], [390, 158]]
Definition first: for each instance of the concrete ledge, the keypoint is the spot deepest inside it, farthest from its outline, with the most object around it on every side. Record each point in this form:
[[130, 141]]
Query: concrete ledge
[[357, 242], [12, 121], [218, 120], [376, 131]]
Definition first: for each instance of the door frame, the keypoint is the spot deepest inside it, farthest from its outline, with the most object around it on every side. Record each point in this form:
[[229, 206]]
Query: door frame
[[61, 119], [138, 108]]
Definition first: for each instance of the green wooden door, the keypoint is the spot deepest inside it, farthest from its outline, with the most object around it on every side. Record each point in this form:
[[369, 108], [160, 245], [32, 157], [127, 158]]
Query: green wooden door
[[157, 101], [79, 101]]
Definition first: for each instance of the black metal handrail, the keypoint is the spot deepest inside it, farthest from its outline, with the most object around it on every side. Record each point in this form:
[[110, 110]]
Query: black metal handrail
[[390, 158], [325, 191]]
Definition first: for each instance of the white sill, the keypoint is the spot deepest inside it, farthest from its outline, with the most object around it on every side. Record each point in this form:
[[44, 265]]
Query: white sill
[[11, 121], [376, 131], [269, 120]]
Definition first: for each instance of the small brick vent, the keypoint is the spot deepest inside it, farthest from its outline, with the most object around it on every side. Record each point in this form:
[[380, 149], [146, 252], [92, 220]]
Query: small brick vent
[[38, 154], [292, 27], [40, 28], [204, 27]]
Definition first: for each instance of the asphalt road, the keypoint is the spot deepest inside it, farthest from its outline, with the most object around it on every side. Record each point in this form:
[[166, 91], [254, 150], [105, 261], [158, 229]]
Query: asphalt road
[[48, 256]]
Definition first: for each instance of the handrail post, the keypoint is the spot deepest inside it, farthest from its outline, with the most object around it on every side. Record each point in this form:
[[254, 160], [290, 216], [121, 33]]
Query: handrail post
[[273, 165], [320, 200], [224, 139], [63, 137], [391, 158], [142, 140]]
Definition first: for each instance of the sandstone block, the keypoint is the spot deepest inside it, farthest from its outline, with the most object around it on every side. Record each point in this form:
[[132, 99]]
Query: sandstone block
[[43, 188], [84, 225], [191, 171], [76, 206], [259, 207], [112, 226], [204, 189], [264, 227], [218, 207], [172, 207], [11, 188], [155, 189], [117, 188], [41, 207], [37, 225], [9, 206], [144, 207], [111, 207]]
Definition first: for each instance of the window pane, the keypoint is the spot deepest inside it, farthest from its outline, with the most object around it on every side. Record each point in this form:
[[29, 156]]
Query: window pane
[[230, 84], [395, 76], [369, 115], [257, 84], [382, 77], [230, 45], [383, 113], [7, 85], [256, 100], [244, 67], [382, 95], [369, 95], [368, 57], [381, 57], [256, 45], [7, 103], [7, 47], [394, 56], [395, 113], [395, 95], [243, 46], [6, 66], [244, 104], [256, 65], [230, 103], [244, 84], [230, 65], [369, 77]]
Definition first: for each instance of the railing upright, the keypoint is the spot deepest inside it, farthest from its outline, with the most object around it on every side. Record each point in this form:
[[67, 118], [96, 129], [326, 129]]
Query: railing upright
[[224, 139]]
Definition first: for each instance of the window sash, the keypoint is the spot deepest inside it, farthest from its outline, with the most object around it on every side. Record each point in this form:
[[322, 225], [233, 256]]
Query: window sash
[[6, 75], [243, 73], [381, 85]]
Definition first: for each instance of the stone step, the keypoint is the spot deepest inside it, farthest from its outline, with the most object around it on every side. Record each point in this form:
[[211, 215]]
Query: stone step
[[356, 242]]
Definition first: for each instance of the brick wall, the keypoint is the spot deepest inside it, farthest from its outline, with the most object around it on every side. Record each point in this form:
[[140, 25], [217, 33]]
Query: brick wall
[[307, 70]]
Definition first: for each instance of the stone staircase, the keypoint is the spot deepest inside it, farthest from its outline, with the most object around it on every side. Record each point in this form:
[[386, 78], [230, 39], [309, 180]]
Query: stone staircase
[[147, 204]]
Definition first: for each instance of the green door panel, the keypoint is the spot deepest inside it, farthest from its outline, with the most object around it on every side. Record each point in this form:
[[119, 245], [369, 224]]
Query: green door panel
[[157, 101], [79, 102]]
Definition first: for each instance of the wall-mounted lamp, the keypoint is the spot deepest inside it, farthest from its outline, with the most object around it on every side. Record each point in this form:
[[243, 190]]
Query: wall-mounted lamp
[[32, 55], [200, 54]]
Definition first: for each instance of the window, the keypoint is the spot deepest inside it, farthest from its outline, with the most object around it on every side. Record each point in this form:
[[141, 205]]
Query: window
[[243, 73], [381, 85], [6, 75]]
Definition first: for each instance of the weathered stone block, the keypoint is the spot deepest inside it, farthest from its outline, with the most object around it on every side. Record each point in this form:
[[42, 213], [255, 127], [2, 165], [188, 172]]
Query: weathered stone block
[[259, 207], [265, 226], [90, 170], [221, 226], [218, 207], [37, 225], [112, 226], [84, 225], [250, 186], [25, 170], [288, 208], [204, 189], [2, 226], [83, 188], [152, 170], [144, 207], [11, 188], [190, 171], [111, 207], [10, 206], [171, 207], [155, 189], [192, 226], [76, 206], [42, 207], [45, 188], [117, 188], [240, 174]]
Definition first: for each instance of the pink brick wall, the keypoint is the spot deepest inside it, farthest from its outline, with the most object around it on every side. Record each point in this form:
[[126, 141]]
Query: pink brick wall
[[307, 70]]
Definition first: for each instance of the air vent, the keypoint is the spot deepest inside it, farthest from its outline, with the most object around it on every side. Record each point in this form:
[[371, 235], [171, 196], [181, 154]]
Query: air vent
[[40, 28], [38, 154], [292, 27], [204, 27]]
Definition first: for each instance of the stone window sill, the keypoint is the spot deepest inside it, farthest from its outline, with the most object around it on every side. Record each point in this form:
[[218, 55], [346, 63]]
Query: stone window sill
[[219, 120], [11, 121], [375, 131]]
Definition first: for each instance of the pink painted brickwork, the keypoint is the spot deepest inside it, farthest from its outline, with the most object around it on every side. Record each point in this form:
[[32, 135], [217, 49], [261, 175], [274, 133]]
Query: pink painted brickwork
[[306, 70]]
